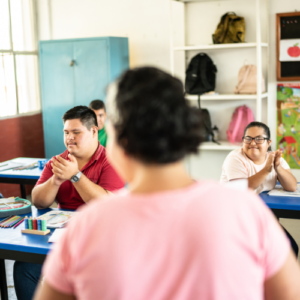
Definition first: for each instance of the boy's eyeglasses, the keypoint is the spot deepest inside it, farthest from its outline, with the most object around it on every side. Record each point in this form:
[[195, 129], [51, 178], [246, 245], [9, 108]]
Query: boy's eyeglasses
[[257, 139]]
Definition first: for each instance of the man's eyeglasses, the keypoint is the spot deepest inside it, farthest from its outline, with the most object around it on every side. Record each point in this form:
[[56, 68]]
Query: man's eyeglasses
[[257, 139]]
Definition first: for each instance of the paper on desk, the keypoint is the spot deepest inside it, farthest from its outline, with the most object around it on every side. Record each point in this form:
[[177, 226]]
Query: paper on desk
[[7, 200], [279, 191], [10, 165], [57, 218], [56, 235]]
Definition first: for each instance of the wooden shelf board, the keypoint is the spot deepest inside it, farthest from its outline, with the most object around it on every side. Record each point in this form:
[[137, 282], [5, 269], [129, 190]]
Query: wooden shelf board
[[218, 46], [225, 145], [226, 97], [38, 232]]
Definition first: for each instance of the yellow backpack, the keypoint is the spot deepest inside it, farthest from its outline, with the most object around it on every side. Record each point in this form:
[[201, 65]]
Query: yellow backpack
[[231, 29]]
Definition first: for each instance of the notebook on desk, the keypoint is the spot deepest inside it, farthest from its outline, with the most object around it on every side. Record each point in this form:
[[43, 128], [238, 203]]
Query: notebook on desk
[[57, 218], [280, 192]]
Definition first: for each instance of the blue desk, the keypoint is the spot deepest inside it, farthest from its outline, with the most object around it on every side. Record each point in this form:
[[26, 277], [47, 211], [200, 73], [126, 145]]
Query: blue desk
[[21, 177], [283, 207], [24, 247]]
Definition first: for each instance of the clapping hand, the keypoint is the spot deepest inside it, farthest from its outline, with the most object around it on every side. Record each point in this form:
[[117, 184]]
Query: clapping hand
[[64, 169], [270, 162], [277, 156]]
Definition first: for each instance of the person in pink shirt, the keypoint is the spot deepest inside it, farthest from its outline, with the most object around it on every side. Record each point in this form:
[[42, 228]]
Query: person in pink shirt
[[167, 236]]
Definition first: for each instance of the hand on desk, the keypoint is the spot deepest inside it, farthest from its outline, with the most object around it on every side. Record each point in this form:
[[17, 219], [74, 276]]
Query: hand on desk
[[64, 169]]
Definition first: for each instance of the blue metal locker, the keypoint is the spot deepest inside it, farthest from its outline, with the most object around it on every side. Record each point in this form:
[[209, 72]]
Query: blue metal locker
[[75, 72]]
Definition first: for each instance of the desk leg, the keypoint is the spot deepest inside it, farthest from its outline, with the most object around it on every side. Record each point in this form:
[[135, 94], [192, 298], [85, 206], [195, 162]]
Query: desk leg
[[23, 191], [3, 283]]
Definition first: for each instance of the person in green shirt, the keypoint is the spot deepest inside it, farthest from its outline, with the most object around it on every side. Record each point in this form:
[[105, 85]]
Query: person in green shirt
[[98, 107]]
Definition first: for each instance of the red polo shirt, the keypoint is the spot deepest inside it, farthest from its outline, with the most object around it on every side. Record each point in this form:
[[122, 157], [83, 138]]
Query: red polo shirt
[[98, 170]]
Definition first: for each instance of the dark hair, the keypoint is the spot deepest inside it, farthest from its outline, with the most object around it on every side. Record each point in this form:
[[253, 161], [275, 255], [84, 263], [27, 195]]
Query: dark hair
[[97, 104], [154, 122], [260, 125], [86, 116]]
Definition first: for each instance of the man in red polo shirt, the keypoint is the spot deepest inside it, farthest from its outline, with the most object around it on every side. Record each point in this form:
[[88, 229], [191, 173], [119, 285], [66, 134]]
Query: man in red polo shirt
[[77, 176], [82, 172]]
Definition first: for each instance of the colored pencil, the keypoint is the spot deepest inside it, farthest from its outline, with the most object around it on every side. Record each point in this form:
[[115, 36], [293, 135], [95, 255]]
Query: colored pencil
[[19, 223], [5, 219], [7, 224], [12, 221], [8, 221]]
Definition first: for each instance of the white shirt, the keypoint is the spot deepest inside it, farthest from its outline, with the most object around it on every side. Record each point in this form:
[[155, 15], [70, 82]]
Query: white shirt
[[237, 165]]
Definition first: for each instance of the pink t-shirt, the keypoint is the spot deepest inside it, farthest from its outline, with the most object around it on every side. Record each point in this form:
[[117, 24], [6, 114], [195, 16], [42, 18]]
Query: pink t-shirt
[[206, 241], [237, 165]]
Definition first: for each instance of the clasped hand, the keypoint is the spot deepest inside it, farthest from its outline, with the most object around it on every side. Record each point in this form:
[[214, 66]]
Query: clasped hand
[[64, 169], [273, 160]]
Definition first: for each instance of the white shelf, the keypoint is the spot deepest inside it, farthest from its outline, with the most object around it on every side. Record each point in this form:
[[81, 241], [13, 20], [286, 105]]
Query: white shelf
[[219, 46], [186, 1], [225, 145], [225, 97]]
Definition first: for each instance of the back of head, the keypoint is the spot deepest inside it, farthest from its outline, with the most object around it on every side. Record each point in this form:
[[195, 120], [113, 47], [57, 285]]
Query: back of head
[[86, 116], [152, 119], [97, 104]]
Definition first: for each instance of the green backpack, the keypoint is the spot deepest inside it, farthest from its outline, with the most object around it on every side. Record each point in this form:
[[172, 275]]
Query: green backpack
[[231, 29]]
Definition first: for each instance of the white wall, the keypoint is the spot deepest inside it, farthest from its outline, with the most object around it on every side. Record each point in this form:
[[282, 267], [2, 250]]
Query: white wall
[[146, 24]]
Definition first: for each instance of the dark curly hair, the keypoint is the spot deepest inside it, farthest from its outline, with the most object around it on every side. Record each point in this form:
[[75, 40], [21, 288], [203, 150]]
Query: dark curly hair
[[153, 120]]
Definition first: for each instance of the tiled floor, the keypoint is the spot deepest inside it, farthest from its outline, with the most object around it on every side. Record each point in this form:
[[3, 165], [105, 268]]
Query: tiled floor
[[10, 282], [293, 227]]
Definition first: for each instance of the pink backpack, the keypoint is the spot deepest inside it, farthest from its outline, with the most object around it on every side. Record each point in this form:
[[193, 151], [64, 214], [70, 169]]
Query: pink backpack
[[241, 117]]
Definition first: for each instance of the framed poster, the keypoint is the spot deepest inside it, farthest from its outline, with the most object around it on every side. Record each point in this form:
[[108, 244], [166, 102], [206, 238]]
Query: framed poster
[[288, 123], [288, 46]]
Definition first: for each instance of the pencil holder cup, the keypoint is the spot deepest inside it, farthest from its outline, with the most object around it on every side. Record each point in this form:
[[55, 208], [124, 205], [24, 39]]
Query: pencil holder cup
[[42, 163]]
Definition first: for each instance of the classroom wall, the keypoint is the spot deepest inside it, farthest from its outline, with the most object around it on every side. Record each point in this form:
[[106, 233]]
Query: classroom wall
[[277, 6], [147, 25], [144, 22], [20, 137]]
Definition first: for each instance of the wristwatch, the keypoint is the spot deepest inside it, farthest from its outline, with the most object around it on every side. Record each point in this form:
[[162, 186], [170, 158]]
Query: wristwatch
[[76, 177]]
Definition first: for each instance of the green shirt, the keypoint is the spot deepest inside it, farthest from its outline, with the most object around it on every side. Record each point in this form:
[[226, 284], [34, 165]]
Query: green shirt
[[102, 137]]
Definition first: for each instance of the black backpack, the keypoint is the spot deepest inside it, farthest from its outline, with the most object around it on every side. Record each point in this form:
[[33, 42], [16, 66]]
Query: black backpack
[[208, 134], [200, 75]]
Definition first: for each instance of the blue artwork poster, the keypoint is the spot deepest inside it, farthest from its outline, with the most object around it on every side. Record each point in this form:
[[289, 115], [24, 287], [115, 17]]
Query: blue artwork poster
[[288, 123]]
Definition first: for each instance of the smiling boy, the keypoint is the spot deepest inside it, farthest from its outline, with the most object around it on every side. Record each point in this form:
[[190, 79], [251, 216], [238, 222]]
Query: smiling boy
[[82, 172]]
